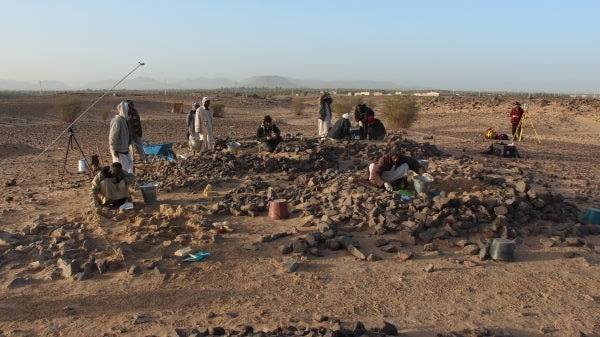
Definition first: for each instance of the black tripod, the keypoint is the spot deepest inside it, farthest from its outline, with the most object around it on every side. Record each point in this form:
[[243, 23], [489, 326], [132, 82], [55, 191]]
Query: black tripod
[[70, 146]]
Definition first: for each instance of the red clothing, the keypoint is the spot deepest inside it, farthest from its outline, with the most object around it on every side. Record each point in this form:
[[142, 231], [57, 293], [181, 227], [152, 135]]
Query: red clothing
[[515, 115]]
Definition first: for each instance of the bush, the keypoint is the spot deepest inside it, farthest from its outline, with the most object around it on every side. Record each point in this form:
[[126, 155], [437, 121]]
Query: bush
[[297, 107], [400, 111], [218, 109], [68, 108], [342, 104]]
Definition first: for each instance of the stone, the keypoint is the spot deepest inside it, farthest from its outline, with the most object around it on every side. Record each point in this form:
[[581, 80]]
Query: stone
[[471, 249], [69, 268], [17, 282], [183, 251], [290, 265], [356, 252], [404, 255]]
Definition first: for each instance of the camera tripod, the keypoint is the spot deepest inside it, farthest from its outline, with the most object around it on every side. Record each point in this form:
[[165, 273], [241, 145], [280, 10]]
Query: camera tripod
[[70, 145], [523, 123]]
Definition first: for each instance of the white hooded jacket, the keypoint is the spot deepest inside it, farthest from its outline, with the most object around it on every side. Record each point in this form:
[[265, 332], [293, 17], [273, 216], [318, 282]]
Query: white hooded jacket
[[118, 137]]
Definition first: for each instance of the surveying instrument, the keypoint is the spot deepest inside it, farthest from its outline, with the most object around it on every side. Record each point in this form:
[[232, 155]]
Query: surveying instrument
[[525, 118], [70, 145]]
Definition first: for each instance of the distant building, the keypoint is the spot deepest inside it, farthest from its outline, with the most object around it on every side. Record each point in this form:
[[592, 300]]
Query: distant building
[[362, 93], [398, 93], [427, 94]]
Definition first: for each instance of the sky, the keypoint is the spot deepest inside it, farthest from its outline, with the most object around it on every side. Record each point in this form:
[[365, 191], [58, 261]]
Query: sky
[[470, 45]]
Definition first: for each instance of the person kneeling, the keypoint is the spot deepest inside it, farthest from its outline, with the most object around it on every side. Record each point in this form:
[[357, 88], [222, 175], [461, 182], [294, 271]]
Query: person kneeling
[[391, 169], [341, 128], [268, 135], [110, 187]]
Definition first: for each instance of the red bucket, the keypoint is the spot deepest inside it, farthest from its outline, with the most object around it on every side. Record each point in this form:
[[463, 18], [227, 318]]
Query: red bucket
[[278, 209]]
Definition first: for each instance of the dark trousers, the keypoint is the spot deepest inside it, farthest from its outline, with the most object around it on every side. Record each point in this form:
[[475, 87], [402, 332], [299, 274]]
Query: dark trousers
[[270, 145], [363, 131], [516, 130]]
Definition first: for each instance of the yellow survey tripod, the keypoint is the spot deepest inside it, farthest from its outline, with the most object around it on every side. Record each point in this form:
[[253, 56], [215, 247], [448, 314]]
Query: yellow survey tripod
[[525, 118]]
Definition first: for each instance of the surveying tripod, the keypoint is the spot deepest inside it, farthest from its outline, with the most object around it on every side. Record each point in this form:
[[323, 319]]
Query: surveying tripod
[[69, 146], [523, 123]]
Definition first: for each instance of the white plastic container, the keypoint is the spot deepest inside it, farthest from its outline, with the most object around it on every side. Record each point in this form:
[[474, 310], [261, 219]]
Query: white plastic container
[[83, 166]]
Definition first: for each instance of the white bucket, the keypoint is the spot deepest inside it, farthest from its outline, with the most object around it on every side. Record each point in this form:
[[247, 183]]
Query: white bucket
[[233, 147], [83, 166], [422, 182], [195, 143], [149, 193]]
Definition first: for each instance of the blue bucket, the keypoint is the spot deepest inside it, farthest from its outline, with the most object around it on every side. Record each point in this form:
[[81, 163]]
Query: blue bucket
[[355, 134], [592, 216]]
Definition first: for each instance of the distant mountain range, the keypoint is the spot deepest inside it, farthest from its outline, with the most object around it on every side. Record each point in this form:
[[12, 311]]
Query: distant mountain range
[[145, 83]]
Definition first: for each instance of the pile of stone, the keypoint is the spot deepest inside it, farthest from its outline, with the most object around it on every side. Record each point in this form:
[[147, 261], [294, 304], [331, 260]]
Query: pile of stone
[[475, 202]]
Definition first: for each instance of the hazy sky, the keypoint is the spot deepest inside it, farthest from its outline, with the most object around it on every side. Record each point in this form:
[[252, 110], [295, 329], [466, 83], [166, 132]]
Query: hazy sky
[[512, 45]]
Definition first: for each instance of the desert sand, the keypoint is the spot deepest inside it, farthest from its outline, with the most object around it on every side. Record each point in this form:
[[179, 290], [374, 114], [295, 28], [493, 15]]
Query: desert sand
[[429, 281]]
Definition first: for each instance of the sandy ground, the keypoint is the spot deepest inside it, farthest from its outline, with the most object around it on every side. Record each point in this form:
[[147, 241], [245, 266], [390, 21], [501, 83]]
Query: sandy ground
[[546, 291]]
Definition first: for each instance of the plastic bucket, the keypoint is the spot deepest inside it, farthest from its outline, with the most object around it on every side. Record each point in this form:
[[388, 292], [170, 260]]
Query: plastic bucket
[[83, 166], [355, 134], [592, 216], [149, 193], [502, 250], [233, 147], [422, 182], [195, 144]]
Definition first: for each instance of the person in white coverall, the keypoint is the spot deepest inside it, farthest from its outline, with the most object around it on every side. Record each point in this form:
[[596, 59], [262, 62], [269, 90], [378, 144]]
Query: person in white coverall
[[203, 124], [118, 138]]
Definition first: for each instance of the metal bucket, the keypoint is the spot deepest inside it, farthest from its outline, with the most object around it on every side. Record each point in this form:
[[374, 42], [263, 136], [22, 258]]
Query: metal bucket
[[278, 209], [424, 163], [422, 182], [233, 147], [83, 166], [149, 193]]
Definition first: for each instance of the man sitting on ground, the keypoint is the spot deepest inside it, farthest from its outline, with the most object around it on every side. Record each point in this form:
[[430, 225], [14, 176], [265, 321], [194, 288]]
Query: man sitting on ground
[[391, 169], [268, 135], [110, 187]]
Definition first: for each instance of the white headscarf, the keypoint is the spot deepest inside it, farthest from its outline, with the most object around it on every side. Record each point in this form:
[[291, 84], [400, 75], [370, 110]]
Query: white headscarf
[[205, 99], [123, 109]]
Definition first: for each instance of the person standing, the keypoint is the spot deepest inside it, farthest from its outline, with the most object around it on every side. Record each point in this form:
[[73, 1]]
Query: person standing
[[341, 128], [361, 115], [135, 130], [268, 135], [119, 138], [324, 121], [191, 121], [515, 119], [203, 125], [391, 168]]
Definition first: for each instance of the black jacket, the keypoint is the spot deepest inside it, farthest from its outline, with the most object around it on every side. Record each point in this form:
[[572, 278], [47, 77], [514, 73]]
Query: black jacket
[[340, 130]]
